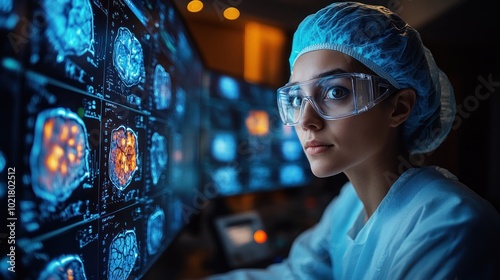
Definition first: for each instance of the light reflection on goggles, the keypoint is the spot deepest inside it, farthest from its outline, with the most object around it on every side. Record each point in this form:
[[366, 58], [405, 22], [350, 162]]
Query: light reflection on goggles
[[332, 97]]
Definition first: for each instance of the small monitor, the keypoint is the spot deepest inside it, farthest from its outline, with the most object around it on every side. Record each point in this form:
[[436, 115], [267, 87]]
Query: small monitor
[[243, 238]]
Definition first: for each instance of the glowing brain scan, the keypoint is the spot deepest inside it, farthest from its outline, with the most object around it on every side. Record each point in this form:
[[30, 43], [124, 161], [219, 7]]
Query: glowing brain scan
[[159, 156], [70, 26], [291, 150], [122, 156], [226, 179], [59, 156], [64, 267], [224, 147], [229, 88], [162, 88], [292, 174], [5, 6], [128, 57], [156, 223], [123, 253]]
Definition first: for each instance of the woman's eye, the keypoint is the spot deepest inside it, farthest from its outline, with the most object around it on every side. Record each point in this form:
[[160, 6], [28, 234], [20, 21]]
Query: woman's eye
[[336, 93], [296, 100]]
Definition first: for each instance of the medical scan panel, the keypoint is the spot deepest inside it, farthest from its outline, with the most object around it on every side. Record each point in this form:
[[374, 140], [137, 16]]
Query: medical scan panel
[[247, 147], [128, 51], [104, 123], [62, 162], [70, 27], [59, 156], [65, 43], [123, 147], [128, 57]]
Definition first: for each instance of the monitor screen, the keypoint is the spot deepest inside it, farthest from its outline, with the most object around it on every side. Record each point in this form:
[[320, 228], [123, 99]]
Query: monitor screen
[[250, 150], [103, 102]]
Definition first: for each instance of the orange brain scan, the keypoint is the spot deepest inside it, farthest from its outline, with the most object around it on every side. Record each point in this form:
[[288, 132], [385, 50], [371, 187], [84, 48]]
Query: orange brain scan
[[257, 122], [122, 156], [59, 156]]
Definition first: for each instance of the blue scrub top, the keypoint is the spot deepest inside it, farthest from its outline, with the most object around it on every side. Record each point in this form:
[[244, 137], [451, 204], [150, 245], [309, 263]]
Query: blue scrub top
[[428, 226]]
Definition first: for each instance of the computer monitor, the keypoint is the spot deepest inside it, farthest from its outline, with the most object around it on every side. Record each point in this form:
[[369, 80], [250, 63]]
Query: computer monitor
[[102, 112], [248, 149]]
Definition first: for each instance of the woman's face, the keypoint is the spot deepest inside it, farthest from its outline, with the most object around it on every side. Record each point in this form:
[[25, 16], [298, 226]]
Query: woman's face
[[337, 146]]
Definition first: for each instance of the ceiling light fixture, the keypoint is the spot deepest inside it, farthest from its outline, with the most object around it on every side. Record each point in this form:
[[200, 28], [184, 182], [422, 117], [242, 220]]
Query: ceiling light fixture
[[195, 6], [231, 13]]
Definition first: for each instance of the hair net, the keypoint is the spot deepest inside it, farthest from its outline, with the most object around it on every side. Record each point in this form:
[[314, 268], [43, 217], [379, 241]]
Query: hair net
[[387, 45]]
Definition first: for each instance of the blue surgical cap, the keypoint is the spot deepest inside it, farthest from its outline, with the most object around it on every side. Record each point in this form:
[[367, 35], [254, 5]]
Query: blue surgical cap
[[388, 46]]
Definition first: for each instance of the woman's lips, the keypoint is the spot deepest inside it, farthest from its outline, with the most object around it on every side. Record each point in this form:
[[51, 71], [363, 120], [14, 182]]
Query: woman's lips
[[315, 147]]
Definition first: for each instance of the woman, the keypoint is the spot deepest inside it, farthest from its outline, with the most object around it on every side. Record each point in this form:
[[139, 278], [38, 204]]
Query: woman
[[365, 95]]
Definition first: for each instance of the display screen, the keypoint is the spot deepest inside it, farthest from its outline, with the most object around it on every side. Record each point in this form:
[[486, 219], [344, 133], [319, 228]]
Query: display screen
[[250, 150], [240, 234], [103, 105], [116, 135]]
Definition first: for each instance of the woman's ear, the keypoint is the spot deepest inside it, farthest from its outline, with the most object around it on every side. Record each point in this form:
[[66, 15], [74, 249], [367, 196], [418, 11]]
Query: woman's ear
[[402, 103]]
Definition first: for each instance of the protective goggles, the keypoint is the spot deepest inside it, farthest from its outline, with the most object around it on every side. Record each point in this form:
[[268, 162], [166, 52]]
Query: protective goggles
[[332, 97]]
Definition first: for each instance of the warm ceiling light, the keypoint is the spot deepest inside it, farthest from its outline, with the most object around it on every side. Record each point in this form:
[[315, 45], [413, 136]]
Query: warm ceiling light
[[231, 13], [195, 6]]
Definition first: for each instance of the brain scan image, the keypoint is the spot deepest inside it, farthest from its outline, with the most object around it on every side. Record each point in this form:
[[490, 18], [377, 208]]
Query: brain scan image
[[291, 150], [159, 156], [224, 147], [122, 156], [162, 88], [128, 57], [70, 26], [5, 6], [123, 253], [226, 179], [292, 174], [64, 267], [7, 18], [156, 224], [229, 88], [59, 156]]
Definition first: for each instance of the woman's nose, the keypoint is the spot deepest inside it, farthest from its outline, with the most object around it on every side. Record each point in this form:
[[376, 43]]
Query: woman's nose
[[310, 119]]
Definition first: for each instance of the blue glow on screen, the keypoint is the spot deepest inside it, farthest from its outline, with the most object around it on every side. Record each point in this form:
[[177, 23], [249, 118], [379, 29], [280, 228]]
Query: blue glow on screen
[[291, 150], [156, 225], [5, 6], [292, 174], [128, 57], [64, 267], [229, 88], [162, 88], [260, 178], [3, 161], [159, 156], [224, 147], [226, 180], [70, 26], [123, 253], [180, 104]]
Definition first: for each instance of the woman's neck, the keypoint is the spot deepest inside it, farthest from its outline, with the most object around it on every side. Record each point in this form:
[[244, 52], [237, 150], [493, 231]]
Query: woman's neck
[[373, 178]]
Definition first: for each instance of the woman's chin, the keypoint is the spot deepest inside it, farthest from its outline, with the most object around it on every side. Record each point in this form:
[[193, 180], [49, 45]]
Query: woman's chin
[[322, 172]]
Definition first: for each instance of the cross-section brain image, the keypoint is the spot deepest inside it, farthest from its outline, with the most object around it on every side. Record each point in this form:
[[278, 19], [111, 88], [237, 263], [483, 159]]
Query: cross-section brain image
[[59, 156], [64, 267], [159, 156], [156, 224], [5, 6], [70, 26], [123, 253], [128, 57], [162, 88], [122, 156]]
